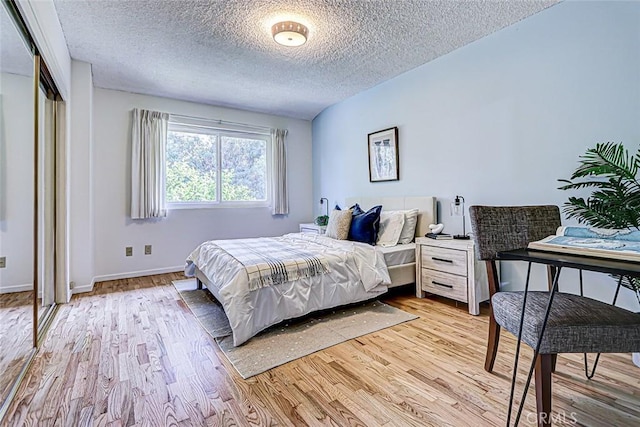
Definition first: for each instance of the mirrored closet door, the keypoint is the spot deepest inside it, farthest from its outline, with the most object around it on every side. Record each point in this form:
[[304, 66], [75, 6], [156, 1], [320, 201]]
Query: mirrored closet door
[[17, 160], [46, 204], [28, 106]]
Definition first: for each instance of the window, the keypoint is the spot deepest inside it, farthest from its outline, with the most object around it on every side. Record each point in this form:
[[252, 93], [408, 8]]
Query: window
[[208, 167]]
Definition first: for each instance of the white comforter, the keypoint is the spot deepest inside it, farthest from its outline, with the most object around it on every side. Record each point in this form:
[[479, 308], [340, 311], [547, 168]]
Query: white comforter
[[357, 272]]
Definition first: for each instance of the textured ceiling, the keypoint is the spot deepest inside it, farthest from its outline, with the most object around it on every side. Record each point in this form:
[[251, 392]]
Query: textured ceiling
[[221, 52]]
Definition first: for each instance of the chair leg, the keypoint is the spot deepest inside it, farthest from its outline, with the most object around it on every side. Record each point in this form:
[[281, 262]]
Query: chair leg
[[492, 344], [554, 360], [544, 364]]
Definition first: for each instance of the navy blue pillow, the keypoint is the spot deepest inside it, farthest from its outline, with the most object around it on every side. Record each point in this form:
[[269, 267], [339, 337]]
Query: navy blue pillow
[[353, 208], [365, 225]]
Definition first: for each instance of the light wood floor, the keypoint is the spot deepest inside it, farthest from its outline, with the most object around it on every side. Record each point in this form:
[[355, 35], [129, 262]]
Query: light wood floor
[[16, 336], [131, 353]]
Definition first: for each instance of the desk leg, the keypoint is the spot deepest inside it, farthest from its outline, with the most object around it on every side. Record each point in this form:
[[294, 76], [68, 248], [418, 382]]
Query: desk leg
[[517, 356], [595, 362], [543, 368], [551, 273]]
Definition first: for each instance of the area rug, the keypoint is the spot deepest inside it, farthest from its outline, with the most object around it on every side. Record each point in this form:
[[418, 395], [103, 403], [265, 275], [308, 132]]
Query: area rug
[[289, 340]]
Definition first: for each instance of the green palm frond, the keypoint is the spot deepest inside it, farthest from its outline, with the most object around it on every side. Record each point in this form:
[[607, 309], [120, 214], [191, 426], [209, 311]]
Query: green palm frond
[[612, 173], [608, 159], [597, 214]]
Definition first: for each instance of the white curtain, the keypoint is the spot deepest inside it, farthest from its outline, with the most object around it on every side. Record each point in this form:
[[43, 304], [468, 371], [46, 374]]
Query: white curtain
[[280, 190], [148, 154]]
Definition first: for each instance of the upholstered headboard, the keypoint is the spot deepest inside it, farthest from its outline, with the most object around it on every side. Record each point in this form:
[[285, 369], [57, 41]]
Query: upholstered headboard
[[426, 208]]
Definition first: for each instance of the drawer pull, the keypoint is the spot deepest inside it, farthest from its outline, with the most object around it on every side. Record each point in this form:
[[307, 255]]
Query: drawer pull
[[442, 260], [442, 284]]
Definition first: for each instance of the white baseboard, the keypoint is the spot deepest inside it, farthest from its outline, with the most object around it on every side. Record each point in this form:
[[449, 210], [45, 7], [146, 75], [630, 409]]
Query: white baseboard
[[80, 289], [16, 288], [128, 275], [635, 357]]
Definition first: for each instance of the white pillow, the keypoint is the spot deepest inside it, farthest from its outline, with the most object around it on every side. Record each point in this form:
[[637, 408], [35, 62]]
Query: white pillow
[[409, 229], [339, 223], [391, 224]]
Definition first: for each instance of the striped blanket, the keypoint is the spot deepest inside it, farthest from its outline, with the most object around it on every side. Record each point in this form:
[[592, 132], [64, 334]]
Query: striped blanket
[[271, 262]]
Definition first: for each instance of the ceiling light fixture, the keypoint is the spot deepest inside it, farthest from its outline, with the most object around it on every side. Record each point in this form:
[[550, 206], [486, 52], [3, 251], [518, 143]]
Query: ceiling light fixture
[[289, 33]]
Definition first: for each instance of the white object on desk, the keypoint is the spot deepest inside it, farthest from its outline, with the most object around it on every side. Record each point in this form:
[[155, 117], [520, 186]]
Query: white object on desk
[[310, 227], [449, 268]]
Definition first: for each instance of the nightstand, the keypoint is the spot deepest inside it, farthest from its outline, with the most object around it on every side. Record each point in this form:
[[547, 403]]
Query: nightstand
[[312, 228], [449, 268]]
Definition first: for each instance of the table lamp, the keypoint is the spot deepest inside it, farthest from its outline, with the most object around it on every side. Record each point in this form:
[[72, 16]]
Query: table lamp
[[457, 209]]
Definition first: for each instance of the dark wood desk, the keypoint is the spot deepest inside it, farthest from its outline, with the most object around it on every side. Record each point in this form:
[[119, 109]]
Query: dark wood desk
[[581, 262], [558, 261]]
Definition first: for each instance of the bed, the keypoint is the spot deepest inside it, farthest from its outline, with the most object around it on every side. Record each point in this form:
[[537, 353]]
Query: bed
[[334, 272], [401, 259]]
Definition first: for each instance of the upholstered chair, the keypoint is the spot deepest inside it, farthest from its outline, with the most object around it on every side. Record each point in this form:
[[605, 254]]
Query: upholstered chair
[[576, 324]]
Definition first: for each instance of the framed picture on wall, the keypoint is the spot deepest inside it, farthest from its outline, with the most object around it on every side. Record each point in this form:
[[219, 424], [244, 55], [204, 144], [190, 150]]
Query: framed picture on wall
[[384, 163]]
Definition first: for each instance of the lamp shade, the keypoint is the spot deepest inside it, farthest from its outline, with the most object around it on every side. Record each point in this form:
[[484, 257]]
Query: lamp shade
[[457, 206], [457, 209]]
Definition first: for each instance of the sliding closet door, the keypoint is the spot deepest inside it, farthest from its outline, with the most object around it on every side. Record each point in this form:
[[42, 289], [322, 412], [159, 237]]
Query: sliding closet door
[[17, 160], [46, 204]]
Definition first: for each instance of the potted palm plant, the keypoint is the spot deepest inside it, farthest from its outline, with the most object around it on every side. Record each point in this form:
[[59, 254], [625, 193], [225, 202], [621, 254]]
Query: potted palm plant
[[612, 172]]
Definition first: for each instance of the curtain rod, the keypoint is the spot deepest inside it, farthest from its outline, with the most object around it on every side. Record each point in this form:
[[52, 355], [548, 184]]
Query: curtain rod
[[223, 122]]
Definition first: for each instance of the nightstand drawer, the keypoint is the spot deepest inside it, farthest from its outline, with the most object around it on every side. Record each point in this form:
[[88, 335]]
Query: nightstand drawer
[[444, 284], [443, 259], [451, 269]]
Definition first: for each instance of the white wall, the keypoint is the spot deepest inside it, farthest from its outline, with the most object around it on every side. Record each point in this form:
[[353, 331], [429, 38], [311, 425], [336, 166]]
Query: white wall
[[174, 237], [16, 182], [498, 121]]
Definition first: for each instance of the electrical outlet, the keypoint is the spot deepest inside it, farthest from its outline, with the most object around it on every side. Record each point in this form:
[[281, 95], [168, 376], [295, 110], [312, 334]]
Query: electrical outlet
[[3, 261], [128, 251], [147, 249]]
